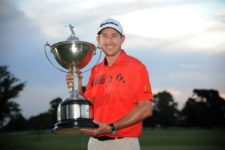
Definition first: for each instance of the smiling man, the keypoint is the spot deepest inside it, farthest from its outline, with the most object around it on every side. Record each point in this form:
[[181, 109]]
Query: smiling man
[[119, 88]]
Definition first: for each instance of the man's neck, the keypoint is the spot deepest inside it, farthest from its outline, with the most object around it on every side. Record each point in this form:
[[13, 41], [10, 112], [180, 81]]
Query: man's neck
[[112, 59]]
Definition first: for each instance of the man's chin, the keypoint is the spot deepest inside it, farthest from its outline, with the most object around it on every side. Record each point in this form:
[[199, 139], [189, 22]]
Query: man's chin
[[108, 52]]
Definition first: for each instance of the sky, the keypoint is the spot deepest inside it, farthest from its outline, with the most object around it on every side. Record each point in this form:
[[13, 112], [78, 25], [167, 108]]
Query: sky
[[181, 42]]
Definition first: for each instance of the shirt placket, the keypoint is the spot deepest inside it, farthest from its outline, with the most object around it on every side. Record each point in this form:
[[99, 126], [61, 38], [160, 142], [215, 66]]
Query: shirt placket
[[108, 90]]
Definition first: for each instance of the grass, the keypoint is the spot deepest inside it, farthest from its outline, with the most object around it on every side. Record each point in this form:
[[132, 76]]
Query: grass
[[152, 139], [182, 139]]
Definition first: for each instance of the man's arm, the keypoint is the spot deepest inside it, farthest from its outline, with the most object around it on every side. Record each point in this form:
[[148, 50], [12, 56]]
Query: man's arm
[[139, 113]]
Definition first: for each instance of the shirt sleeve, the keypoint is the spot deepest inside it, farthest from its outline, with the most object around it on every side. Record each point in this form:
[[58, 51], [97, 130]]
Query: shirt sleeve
[[141, 84], [88, 91]]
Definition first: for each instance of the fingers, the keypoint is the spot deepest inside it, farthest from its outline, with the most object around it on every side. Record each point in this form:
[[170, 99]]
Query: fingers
[[90, 132], [102, 129], [69, 80]]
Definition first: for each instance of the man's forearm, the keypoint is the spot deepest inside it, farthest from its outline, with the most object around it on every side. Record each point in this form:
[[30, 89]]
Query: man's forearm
[[139, 113]]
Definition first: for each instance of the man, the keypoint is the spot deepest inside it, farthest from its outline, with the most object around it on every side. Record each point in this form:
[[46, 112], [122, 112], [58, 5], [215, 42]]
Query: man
[[120, 91]]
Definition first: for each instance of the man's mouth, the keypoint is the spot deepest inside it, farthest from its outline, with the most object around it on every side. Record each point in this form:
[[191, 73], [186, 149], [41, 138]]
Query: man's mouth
[[109, 47]]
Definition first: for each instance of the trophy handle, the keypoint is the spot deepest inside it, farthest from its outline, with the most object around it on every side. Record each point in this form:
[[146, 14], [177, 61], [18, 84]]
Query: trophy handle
[[96, 61], [46, 54]]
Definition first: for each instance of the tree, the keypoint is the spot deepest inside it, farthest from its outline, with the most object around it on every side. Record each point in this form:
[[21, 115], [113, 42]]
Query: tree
[[192, 115], [40, 122], [53, 109], [45, 120], [165, 109], [9, 89], [204, 109], [17, 123]]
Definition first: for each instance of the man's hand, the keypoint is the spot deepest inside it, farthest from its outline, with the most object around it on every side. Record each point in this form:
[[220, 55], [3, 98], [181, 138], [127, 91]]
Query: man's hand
[[102, 129], [69, 80]]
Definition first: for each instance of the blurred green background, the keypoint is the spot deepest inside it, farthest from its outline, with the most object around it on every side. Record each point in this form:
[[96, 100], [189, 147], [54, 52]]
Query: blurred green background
[[152, 139]]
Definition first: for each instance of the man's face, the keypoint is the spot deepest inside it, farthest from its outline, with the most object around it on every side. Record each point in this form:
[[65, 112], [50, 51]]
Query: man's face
[[110, 41]]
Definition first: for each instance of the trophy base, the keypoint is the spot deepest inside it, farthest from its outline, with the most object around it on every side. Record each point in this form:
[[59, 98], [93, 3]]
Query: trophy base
[[73, 126]]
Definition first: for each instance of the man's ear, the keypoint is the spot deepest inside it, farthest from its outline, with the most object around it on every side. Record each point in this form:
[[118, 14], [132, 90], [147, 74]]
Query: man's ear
[[123, 38], [98, 40]]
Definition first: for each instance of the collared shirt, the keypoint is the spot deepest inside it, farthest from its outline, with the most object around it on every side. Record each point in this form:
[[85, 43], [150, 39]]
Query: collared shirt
[[115, 90]]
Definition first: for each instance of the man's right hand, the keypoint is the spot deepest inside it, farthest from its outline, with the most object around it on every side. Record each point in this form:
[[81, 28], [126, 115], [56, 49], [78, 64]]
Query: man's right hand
[[69, 80]]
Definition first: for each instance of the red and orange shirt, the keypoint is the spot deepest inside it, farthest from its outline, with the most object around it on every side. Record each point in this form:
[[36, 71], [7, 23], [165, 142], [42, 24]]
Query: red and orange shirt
[[115, 90]]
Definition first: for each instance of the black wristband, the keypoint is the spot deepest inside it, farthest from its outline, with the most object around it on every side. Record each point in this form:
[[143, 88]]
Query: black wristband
[[113, 129]]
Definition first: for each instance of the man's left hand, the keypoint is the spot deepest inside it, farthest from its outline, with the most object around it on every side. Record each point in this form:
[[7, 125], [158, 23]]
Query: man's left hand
[[102, 129]]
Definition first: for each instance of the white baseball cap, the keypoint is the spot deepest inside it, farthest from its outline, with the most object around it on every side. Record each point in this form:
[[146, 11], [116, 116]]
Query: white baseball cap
[[110, 23]]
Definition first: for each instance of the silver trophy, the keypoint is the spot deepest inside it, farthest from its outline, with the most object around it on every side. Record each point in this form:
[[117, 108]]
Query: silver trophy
[[74, 112]]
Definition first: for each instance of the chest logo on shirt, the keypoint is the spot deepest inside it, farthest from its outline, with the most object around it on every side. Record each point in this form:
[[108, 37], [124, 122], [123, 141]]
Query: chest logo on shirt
[[119, 77], [108, 79]]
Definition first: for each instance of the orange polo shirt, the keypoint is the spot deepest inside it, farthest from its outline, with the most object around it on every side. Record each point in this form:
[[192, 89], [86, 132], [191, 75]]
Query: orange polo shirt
[[115, 90]]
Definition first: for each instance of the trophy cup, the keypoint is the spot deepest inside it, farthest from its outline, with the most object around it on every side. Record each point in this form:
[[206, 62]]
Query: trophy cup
[[74, 112]]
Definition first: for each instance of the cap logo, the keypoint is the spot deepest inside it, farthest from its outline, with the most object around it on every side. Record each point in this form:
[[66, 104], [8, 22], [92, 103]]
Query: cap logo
[[108, 23]]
